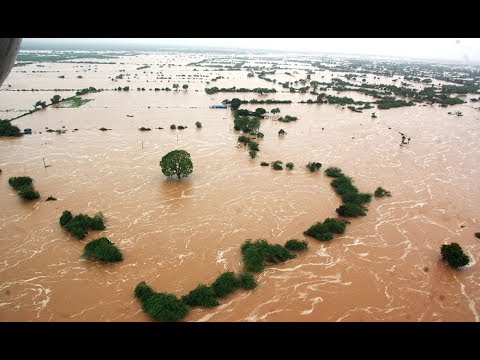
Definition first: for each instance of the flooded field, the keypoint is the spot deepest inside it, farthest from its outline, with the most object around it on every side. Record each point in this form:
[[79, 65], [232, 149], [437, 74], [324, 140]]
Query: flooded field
[[177, 234]]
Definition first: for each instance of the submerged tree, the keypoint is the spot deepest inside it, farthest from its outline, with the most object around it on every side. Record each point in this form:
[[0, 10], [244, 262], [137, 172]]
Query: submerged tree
[[177, 162], [453, 254]]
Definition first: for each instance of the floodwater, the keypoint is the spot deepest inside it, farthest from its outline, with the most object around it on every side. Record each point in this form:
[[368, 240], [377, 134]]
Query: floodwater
[[177, 234]]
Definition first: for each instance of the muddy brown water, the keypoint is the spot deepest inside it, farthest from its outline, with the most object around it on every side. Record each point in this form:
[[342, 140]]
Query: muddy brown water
[[176, 234]]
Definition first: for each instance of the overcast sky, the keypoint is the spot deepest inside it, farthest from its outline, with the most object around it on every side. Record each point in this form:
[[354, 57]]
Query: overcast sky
[[459, 50]]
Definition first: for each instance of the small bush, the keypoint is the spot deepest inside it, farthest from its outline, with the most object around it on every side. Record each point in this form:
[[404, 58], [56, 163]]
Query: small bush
[[244, 139], [27, 192], [351, 210], [102, 249], [381, 192], [7, 129], [453, 254], [79, 225], [333, 171], [296, 245], [252, 145], [356, 198], [255, 254], [477, 235], [173, 126], [65, 218], [198, 124], [282, 132], [253, 154], [181, 127], [263, 163], [247, 281], [97, 222], [289, 165], [144, 129], [143, 291], [164, 307], [202, 295], [313, 166], [260, 135], [51, 198], [225, 284], [323, 231], [277, 165], [253, 260], [19, 181]]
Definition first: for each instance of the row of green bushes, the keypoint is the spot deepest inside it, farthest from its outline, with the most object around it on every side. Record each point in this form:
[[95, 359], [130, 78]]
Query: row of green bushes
[[168, 307]]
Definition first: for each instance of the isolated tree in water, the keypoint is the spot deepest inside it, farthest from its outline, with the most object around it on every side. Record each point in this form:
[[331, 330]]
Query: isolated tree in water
[[177, 162]]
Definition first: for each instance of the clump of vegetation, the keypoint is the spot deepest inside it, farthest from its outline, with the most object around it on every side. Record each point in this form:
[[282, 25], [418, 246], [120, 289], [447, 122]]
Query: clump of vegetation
[[51, 198], [247, 281], [19, 181], [263, 163], [453, 254], [313, 166], [244, 139], [79, 225], [287, 118], [65, 217], [277, 165], [173, 126], [324, 230], [333, 171], [177, 162], [27, 192], [181, 127], [160, 306], [23, 186], [477, 235], [289, 165], [252, 145], [352, 199], [356, 198], [253, 154], [102, 249], [381, 192], [74, 102], [7, 129], [144, 129], [198, 124], [246, 124], [282, 132], [256, 254], [225, 284], [260, 135], [296, 245], [351, 210], [202, 295]]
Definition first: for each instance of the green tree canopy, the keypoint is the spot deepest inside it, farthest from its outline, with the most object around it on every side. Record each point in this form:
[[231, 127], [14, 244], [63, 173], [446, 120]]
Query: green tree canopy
[[235, 103], [185, 87], [453, 254], [55, 99], [177, 162]]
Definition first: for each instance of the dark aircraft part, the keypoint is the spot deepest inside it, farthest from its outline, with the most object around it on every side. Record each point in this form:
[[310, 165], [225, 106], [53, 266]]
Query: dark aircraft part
[[8, 53]]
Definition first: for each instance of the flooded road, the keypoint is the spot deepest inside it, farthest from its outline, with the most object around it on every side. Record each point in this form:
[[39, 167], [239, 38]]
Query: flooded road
[[176, 234]]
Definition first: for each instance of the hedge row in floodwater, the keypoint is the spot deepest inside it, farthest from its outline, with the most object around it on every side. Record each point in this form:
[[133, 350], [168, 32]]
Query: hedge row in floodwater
[[168, 307]]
